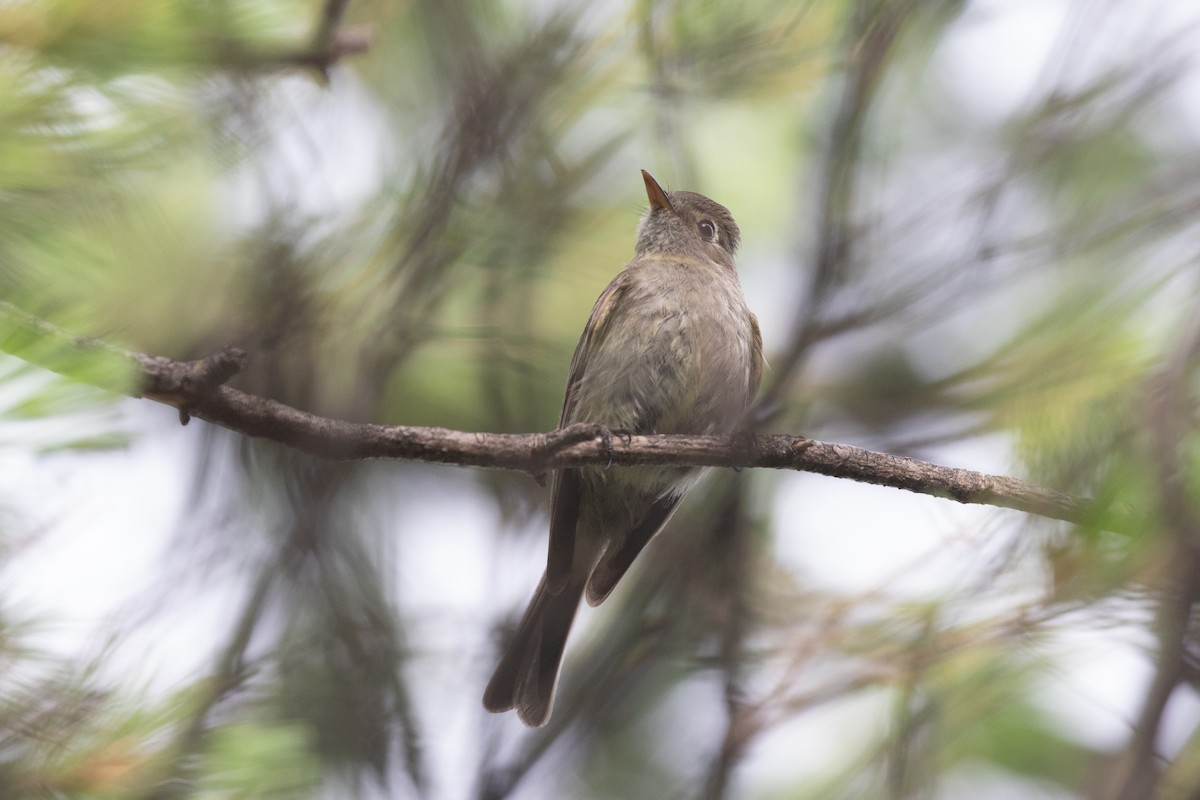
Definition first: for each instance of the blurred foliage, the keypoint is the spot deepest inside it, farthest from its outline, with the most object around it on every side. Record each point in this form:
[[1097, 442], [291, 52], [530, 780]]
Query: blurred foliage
[[416, 233], [251, 760]]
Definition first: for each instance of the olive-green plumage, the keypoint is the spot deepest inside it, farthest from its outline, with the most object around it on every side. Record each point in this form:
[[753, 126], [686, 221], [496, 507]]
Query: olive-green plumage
[[670, 347]]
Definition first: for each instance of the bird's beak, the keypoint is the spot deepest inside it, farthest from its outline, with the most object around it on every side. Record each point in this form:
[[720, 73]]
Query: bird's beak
[[658, 198]]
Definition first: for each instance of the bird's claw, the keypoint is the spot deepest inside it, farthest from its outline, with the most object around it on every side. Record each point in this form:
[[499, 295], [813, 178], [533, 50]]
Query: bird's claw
[[606, 441]]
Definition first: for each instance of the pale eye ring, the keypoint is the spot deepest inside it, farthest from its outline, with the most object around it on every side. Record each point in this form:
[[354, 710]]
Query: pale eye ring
[[708, 229]]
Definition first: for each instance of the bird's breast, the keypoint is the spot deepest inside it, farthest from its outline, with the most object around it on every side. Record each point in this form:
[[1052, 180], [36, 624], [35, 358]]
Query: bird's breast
[[676, 355]]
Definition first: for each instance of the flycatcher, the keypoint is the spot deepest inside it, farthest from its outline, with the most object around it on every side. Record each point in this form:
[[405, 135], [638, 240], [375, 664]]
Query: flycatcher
[[670, 347]]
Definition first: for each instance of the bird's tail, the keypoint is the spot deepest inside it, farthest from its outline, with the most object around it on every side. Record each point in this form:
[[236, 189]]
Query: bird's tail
[[527, 674]]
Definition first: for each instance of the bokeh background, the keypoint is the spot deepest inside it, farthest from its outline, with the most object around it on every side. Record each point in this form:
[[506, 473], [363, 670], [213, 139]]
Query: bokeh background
[[970, 233]]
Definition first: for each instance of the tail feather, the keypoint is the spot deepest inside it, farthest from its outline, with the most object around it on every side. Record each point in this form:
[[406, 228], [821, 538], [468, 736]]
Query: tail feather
[[527, 674]]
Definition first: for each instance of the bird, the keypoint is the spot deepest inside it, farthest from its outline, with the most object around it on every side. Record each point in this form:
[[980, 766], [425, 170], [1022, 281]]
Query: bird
[[670, 347]]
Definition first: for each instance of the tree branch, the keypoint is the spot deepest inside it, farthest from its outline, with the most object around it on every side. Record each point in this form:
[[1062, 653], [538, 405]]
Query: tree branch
[[197, 388], [347, 42]]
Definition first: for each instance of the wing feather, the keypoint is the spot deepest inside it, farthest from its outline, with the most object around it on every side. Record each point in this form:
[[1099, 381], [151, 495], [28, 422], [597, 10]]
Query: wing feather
[[567, 487], [756, 359]]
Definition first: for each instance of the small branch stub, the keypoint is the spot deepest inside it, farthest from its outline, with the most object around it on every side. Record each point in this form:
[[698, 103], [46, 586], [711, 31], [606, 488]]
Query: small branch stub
[[182, 383]]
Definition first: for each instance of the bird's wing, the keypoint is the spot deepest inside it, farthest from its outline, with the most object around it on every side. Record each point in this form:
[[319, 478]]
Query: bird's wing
[[622, 551], [756, 358], [567, 487]]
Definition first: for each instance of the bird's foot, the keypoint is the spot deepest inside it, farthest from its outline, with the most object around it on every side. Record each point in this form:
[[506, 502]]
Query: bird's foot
[[606, 441]]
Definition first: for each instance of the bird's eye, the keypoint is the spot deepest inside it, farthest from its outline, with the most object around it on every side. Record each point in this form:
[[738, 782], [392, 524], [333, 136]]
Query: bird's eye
[[708, 230]]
